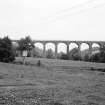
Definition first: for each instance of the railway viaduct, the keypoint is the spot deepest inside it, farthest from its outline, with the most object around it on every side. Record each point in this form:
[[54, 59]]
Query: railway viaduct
[[67, 43]]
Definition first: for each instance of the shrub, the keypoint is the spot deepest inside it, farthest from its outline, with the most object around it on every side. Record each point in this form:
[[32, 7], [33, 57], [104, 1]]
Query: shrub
[[26, 44], [75, 54], [49, 53], [86, 57], [99, 57], [64, 57], [6, 52], [95, 58]]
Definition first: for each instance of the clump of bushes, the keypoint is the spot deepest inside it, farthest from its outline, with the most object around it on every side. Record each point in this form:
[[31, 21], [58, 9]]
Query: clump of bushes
[[97, 69], [49, 54], [6, 51], [74, 54], [64, 57], [98, 57]]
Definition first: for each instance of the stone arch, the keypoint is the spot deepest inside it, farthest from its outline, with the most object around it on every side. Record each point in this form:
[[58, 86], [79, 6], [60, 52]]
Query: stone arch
[[38, 45], [50, 50], [84, 46], [72, 46], [95, 45], [95, 48], [38, 50], [62, 47], [51, 46]]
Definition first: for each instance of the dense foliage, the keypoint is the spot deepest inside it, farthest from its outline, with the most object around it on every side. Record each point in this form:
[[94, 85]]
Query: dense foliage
[[99, 57], [6, 52], [74, 54], [25, 44], [64, 57], [49, 53]]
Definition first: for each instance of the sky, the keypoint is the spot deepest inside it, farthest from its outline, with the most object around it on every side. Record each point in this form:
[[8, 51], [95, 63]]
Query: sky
[[53, 19]]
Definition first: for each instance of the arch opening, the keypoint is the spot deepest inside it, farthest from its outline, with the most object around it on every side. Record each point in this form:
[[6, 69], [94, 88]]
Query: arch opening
[[38, 50], [50, 46], [62, 48], [72, 46], [84, 47], [50, 50], [95, 48], [38, 45]]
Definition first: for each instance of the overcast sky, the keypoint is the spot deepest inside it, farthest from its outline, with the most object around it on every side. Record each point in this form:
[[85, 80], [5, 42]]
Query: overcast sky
[[53, 19]]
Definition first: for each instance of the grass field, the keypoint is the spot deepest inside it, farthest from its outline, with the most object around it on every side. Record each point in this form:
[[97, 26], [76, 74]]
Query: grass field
[[66, 82]]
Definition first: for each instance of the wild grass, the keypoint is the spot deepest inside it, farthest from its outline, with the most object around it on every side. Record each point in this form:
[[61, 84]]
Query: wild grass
[[55, 82]]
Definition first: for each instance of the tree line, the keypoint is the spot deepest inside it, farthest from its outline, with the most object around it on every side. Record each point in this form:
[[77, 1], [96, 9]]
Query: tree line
[[8, 51], [75, 54]]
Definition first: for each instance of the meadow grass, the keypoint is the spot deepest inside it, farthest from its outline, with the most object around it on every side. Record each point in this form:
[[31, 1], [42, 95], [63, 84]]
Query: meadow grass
[[55, 81]]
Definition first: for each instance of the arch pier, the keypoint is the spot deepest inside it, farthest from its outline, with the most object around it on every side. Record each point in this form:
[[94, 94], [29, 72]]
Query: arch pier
[[67, 43]]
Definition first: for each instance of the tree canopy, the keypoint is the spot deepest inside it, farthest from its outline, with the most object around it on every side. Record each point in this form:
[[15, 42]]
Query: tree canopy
[[25, 43], [6, 51], [49, 53]]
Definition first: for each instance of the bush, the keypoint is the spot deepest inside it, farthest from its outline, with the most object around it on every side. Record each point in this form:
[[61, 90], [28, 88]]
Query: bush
[[86, 57], [6, 52], [75, 54], [49, 53], [64, 57], [94, 58], [99, 57]]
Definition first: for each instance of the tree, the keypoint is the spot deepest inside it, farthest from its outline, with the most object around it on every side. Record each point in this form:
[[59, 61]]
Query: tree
[[6, 51], [75, 54], [86, 57], [102, 54], [37, 52], [95, 57], [49, 53], [15, 48], [99, 57], [64, 56], [25, 44]]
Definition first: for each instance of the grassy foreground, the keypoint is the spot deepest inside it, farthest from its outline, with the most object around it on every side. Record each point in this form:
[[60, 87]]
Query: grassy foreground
[[56, 81]]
